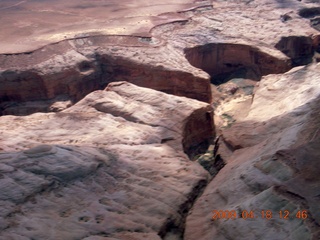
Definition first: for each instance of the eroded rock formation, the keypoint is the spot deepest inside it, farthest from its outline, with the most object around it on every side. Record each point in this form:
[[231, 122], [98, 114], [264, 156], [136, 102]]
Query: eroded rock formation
[[37, 81], [116, 164], [274, 169], [223, 61], [112, 165]]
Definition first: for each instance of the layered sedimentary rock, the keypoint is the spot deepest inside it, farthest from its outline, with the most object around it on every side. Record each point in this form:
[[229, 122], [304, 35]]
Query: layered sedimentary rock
[[55, 76], [111, 166], [276, 166], [114, 164], [225, 61], [37, 81]]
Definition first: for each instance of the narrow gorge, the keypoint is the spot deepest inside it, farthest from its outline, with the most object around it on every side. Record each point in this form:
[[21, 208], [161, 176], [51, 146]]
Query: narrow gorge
[[199, 120]]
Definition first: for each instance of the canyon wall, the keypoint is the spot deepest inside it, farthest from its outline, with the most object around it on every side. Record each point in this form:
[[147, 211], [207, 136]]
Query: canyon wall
[[224, 61], [41, 80], [105, 150], [274, 166]]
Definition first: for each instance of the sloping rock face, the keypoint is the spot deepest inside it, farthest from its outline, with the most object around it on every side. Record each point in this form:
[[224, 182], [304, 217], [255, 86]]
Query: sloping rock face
[[275, 169], [110, 167]]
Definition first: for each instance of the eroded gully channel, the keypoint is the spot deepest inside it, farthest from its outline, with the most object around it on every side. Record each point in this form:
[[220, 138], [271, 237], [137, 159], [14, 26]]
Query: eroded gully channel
[[27, 90], [234, 70]]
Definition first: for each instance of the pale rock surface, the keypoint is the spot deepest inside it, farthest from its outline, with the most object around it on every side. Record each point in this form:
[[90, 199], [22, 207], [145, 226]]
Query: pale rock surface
[[127, 175], [166, 57], [40, 23], [110, 167], [287, 96], [276, 166]]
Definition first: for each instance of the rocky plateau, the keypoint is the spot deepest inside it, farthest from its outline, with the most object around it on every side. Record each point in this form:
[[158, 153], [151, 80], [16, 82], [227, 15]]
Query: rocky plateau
[[186, 120]]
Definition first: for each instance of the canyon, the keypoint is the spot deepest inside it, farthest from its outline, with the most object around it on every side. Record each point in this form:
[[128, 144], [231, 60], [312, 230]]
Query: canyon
[[166, 121]]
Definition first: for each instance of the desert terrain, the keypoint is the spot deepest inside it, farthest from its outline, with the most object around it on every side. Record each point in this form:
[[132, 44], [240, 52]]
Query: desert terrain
[[178, 120]]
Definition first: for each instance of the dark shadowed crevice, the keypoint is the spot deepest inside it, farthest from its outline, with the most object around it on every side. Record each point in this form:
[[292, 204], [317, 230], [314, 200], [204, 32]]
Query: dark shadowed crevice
[[198, 131], [212, 160], [313, 14], [225, 61], [174, 227], [309, 12], [299, 49], [84, 66]]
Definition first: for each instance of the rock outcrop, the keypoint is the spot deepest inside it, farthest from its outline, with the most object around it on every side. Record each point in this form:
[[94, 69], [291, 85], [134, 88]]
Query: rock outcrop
[[112, 166], [117, 163], [275, 167], [45, 78], [167, 58]]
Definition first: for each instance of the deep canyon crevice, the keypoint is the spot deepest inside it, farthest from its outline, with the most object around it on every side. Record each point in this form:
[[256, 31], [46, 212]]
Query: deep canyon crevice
[[86, 74], [118, 163]]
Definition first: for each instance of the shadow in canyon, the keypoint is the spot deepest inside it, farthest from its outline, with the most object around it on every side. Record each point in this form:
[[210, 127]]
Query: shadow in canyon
[[225, 61], [300, 49], [313, 14]]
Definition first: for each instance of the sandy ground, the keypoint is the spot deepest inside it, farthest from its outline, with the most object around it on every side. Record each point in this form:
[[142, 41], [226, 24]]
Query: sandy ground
[[30, 24]]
